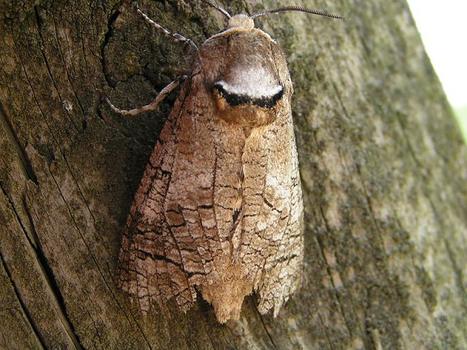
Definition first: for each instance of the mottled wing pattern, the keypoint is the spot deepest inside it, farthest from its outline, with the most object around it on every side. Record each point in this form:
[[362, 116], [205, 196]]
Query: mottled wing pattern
[[157, 261], [280, 223], [218, 211]]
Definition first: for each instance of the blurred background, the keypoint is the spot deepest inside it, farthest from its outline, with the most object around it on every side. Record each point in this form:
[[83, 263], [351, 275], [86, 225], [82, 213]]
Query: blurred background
[[443, 28]]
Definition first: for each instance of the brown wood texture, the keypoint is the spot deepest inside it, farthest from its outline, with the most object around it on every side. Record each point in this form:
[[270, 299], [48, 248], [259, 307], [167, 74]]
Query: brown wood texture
[[382, 162]]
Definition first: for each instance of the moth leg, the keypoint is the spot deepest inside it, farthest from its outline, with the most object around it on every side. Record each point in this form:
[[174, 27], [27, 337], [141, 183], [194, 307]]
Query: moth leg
[[175, 36], [151, 106]]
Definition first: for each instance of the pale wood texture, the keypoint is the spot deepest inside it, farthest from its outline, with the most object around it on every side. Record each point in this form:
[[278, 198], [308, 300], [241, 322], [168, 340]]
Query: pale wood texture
[[382, 162]]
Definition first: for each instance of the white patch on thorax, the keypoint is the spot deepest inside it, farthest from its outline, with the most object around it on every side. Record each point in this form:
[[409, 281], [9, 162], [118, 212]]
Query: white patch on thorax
[[254, 81]]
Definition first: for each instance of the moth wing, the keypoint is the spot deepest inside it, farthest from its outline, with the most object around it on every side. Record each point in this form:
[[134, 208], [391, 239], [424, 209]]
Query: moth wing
[[281, 224], [170, 236]]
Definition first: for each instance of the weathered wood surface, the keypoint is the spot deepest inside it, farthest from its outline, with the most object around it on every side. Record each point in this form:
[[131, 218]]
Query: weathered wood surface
[[382, 161]]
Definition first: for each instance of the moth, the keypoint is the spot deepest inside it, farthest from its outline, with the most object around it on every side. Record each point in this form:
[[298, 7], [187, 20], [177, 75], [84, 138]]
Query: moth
[[219, 210]]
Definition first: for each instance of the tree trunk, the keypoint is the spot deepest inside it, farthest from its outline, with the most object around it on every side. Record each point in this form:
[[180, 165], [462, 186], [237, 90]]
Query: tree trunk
[[382, 162]]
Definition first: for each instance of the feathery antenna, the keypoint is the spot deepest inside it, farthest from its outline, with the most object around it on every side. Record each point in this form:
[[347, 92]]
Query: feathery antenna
[[218, 8], [299, 9]]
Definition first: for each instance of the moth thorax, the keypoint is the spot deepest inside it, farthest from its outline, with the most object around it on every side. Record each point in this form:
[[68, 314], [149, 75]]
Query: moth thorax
[[241, 21], [249, 95]]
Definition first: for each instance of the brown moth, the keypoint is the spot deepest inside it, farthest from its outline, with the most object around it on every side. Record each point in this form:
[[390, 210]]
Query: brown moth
[[219, 209]]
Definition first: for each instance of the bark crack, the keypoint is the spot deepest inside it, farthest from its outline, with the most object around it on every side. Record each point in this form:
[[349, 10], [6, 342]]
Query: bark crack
[[45, 269], [26, 164], [330, 343], [24, 309], [274, 346], [320, 245], [108, 35], [65, 66], [51, 281], [99, 269], [47, 65], [328, 270], [80, 191]]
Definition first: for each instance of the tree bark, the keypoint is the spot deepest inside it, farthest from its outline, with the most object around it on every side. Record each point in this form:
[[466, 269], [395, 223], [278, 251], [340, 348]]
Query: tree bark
[[382, 162]]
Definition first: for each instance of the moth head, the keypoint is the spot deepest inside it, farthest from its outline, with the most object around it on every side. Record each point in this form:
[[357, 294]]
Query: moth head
[[241, 21], [246, 72], [246, 21]]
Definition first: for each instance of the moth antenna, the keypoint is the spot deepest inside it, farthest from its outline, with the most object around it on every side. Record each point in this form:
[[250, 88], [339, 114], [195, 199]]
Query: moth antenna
[[175, 36], [218, 8], [299, 9]]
